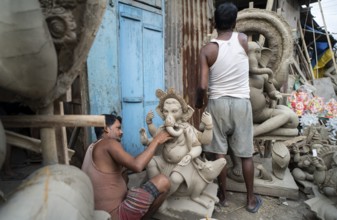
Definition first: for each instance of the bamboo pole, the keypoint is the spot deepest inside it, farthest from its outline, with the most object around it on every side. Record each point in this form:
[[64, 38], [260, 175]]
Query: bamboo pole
[[304, 45], [327, 35], [45, 121], [61, 135], [48, 139], [315, 46]]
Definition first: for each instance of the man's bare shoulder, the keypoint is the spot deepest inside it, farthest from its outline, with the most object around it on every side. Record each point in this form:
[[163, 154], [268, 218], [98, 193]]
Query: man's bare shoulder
[[243, 38], [109, 144], [210, 47]]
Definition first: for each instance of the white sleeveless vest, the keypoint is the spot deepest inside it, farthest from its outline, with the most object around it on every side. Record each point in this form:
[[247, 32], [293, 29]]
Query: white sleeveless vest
[[229, 75]]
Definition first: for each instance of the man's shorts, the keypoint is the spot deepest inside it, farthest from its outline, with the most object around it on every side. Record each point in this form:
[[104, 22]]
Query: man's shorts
[[232, 126], [138, 202]]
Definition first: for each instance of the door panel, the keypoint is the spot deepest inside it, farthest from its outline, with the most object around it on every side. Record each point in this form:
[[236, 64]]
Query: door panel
[[141, 69], [153, 69]]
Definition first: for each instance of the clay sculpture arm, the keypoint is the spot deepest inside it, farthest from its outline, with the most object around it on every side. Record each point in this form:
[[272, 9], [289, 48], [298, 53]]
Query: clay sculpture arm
[[194, 152], [150, 126], [143, 137], [270, 89], [205, 137]]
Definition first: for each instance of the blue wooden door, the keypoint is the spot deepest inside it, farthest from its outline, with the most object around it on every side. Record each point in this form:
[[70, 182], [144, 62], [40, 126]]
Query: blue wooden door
[[141, 69]]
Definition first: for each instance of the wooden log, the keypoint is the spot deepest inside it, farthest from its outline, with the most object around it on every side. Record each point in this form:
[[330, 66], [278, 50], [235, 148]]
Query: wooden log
[[61, 136], [48, 139], [28, 143], [23, 141], [45, 121]]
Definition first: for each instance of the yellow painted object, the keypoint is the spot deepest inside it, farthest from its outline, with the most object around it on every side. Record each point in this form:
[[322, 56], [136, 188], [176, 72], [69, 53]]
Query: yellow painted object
[[319, 67]]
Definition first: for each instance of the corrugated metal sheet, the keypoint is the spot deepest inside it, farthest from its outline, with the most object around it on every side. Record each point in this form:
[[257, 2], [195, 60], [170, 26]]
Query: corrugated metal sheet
[[188, 23]]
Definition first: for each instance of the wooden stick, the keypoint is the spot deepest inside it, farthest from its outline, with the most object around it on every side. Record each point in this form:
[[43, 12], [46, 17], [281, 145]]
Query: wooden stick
[[22, 141], [61, 136], [28, 143], [315, 46], [305, 48], [45, 121], [48, 139]]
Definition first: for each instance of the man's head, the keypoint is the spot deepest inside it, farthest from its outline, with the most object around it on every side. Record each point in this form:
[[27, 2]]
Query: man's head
[[225, 16], [112, 127]]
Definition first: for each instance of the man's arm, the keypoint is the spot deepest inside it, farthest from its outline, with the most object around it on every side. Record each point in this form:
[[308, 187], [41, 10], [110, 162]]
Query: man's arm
[[137, 164], [203, 81], [243, 41]]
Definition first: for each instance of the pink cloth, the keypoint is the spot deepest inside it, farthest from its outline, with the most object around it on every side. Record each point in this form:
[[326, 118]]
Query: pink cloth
[[136, 204]]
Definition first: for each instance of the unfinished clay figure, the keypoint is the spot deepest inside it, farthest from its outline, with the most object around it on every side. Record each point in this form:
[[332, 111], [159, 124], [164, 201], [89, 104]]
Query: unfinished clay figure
[[179, 158], [267, 120]]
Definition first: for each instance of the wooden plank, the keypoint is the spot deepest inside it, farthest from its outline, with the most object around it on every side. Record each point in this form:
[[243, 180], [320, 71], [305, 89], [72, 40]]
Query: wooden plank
[[61, 136], [28, 143], [45, 121], [24, 142]]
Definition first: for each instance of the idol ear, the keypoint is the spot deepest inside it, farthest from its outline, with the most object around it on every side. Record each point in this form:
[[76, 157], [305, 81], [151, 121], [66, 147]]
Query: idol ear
[[160, 113], [266, 54], [186, 116]]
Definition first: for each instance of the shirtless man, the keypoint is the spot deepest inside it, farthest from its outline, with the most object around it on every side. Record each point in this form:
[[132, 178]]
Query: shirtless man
[[105, 163]]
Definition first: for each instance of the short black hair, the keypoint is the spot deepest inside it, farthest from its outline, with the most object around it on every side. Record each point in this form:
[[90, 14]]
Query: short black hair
[[109, 120], [225, 16]]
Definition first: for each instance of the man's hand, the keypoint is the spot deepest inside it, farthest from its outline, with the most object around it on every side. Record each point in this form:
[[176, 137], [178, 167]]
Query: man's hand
[[149, 117], [199, 102], [162, 137]]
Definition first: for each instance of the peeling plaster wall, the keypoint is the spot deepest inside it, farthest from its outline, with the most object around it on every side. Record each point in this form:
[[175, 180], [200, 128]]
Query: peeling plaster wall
[[290, 11]]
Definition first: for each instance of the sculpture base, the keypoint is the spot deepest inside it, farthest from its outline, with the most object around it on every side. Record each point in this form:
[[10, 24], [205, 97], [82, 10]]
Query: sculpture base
[[278, 188], [187, 209], [305, 186]]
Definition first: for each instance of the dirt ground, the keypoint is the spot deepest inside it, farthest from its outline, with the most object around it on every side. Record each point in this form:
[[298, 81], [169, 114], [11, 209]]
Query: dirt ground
[[272, 208]]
